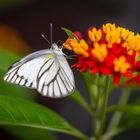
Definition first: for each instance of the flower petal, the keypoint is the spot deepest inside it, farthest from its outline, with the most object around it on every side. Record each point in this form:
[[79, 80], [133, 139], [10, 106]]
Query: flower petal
[[116, 78]]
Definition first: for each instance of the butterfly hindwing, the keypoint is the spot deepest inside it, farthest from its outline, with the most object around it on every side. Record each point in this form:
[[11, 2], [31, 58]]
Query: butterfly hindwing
[[54, 80]]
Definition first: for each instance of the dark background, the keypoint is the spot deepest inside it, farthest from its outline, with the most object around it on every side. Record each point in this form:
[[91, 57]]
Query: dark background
[[32, 18]]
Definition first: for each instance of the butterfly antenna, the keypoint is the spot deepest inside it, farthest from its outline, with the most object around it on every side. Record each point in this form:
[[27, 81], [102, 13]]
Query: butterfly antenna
[[43, 36], [51, 33], [60, 41]]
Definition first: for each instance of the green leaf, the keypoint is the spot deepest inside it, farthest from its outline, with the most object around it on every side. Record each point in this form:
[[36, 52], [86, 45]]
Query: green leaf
[[133, 109], [6, 59], [18, 112], [130, 120], [131, 116], [17, 91], [77, 97], [28, 133], [70, 33], [14, 90]]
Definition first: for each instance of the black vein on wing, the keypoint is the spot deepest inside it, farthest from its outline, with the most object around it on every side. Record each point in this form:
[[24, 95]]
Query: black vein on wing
[[59, 87], [14, 70], [67, 81], [51, 81], [66, 75], [38, 77], [17, 76], [61, 77]]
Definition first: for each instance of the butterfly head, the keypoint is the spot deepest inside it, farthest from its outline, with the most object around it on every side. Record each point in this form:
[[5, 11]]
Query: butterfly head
[[56, 49]]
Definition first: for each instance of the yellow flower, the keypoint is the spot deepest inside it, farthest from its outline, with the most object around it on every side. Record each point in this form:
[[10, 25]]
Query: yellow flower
[[120, 64], [80, 48], [103, 39], [95, 35], [69, 42], [99, 51]]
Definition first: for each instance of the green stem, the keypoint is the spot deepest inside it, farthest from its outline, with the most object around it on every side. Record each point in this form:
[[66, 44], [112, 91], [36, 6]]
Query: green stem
[[91, 86], [98, 94], [80, 135], [104, 109], [95, 118], [112, 133], [91, 89], [78, 98], [118, 115]]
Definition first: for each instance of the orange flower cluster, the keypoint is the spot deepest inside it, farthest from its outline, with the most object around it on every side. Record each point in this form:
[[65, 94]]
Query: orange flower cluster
[[109, 50]]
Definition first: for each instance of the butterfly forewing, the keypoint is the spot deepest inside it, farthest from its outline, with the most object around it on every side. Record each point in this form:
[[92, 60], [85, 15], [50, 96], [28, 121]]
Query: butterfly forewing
[[25, 74]]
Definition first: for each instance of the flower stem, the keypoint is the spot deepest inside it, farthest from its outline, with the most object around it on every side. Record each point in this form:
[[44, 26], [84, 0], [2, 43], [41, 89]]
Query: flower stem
[[78, 98], [96, 119], [104, 109], [91, 85], [118, 115], [111, 133]]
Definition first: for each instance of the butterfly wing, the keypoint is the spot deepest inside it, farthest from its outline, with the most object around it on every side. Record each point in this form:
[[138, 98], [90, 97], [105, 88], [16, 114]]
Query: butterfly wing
[[25, 71], [48, 73], [57, 80]]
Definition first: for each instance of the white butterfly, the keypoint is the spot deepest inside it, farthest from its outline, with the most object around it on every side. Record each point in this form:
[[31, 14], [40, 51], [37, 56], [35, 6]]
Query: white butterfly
[[46, 70]]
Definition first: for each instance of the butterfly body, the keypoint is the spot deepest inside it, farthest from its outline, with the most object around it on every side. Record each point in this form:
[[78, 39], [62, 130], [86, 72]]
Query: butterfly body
[[46, 70]]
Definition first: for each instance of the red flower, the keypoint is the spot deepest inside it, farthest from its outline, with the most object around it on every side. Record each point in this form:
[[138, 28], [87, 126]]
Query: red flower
[[78, 34], [116, 78], [81, 64], [135, 80], [137, 66]]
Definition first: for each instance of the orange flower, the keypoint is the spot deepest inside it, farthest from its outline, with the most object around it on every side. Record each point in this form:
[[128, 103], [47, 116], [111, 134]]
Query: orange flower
[[79, 48], [109, 50]]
